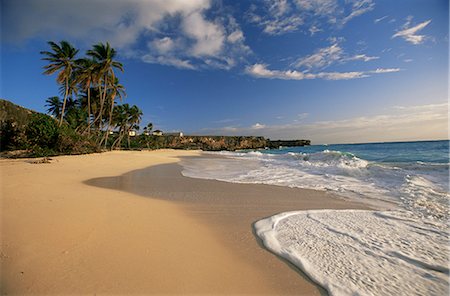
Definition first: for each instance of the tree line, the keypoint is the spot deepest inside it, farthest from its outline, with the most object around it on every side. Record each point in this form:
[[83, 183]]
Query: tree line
[[89, 117], [91, 91]]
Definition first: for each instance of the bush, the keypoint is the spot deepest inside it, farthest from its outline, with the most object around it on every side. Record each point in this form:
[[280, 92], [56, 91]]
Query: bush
[[71, 142], [11, 136], [42, 131]]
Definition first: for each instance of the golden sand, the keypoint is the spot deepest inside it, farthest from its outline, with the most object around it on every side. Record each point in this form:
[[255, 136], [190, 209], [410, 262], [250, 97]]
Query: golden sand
[[60, 235]]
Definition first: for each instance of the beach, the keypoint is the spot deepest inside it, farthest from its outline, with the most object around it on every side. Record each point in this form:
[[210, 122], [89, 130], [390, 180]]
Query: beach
[[130, 223]]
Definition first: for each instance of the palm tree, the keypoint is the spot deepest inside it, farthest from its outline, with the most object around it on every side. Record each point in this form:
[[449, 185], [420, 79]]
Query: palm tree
[[120, 121], [134, 118], [148, 128], [86, 76], [103, 55], [125, 119], [62, 59], [116, 89], [54, 105]]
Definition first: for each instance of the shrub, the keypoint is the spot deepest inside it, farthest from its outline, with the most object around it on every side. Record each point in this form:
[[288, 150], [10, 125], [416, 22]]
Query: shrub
[[42, 131], [11, 136], [71, 142]]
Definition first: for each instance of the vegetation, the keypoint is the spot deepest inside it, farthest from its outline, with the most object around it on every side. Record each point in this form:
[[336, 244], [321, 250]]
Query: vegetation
[[88, 116]]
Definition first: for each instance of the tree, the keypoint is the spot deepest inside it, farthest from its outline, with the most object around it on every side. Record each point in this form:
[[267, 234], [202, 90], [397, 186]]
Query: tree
[[116, 89], [126, 119], [103, 55], [86, 75], [62, 59], [54, 105], [148, 128]]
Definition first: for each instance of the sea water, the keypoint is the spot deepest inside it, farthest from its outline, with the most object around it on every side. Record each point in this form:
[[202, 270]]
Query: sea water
[[402, 248]]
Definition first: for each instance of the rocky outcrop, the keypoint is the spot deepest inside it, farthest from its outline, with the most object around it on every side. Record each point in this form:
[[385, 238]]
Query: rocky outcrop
[[287, 143], [217, 143]]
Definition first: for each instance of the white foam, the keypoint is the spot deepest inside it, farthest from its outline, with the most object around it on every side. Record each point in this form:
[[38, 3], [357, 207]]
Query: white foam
[[354, 252], [379, 185]]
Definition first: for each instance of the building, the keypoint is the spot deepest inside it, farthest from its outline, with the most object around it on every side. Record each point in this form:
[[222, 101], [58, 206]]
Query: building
[[157, 133]]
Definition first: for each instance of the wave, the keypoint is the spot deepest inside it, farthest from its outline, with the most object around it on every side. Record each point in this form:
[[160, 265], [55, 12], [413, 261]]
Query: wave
[[355, 252], [419, 186]]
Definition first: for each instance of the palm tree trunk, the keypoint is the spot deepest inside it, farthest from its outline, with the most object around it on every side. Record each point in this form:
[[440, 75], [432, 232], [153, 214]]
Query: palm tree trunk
[[89, 108], [64, 102], [110, 119], [119, 139]]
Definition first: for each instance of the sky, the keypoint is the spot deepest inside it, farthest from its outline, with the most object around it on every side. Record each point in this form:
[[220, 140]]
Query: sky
[[332, 71]]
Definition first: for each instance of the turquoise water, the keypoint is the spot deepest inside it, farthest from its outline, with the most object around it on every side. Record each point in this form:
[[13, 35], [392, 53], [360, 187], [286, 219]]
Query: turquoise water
[[412, 175], [400, 248], [393, 152]]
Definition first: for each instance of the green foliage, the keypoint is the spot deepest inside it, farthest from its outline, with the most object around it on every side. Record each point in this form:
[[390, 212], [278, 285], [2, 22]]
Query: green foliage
[[42, 131], [71, 142], [11, 136]]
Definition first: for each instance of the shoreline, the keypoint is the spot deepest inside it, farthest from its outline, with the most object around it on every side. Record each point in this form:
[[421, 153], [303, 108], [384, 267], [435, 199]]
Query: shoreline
[[230, 210], [61, 236]]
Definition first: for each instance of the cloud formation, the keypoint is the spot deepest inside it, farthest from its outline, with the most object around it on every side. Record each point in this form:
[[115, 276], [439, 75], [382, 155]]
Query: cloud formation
[[278, 17], [261, 71], [327, 56], [410, 33], [179, 33]]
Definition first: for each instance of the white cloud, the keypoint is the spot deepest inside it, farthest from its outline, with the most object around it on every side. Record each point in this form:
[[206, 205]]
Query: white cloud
[[261, 71], [209, 37], [385, 70], [327, 56], [341, 75], [282, 16], [362, 57], [321, 58], [319, 8], [163, 45], [314, 29], [410, 34], [359, 7], [168, 61], [180, 33], [236, 36], [258, 126], [276, 17], [380, 19]]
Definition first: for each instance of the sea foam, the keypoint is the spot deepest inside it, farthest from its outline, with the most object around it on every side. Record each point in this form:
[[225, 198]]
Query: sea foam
[[354, 252], [417, 187]]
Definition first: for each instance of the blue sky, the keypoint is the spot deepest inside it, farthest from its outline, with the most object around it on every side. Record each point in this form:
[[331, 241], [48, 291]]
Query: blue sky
[[328, 70]]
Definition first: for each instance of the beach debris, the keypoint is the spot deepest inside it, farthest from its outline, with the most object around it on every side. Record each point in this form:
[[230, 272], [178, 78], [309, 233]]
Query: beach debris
[[42, 160]]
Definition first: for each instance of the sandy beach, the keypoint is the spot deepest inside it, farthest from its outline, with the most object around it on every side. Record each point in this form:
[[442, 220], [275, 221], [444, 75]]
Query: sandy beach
[[130, 223]]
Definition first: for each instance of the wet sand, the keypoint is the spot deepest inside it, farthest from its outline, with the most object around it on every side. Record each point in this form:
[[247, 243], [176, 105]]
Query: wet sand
[[230, 210], [142, 229]]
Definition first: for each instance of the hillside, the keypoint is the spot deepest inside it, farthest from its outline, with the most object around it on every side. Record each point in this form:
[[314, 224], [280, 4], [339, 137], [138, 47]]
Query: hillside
[[16, 114]]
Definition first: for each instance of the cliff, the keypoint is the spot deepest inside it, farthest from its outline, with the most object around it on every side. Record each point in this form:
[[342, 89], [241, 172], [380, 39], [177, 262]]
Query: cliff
[[287, 143], [210, 143], [217, 143]]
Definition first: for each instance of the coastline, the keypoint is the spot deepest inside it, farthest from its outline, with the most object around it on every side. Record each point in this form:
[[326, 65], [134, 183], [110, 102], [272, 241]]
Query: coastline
[[193, 236]]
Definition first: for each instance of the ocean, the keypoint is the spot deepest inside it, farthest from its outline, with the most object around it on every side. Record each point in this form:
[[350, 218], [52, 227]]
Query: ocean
[[401, 248]]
